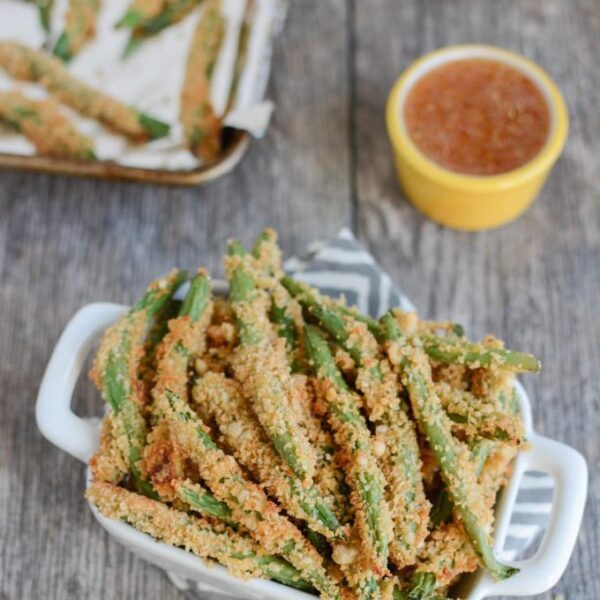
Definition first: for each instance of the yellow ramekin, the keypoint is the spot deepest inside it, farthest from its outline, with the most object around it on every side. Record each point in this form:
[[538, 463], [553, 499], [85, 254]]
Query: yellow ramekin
[[466, 201]]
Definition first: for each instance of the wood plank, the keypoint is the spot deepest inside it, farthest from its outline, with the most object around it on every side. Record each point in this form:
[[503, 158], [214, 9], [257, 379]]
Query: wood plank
[[66, 242], [536, 282]]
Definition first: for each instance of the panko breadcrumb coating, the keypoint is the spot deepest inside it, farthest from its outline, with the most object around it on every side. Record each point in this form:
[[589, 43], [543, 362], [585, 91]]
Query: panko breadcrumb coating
[[365, 479], [42, 123], [395, 442], [163, 462], [116, 370], [178, 528], [202, 128], [475, 417], [28, 64], [109, 464], [266, 380], [215, 410], [448, 553], [260, 363], [139, 10], [249, 505], [221, 399], [496, 472], [329, 476], [80, 28]]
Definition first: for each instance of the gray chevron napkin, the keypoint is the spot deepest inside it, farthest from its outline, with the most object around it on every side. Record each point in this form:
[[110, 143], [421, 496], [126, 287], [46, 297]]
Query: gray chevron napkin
[[342, 267]]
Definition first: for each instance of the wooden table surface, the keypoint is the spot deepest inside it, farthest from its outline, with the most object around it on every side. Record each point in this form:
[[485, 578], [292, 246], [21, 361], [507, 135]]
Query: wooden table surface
[[324, 164]]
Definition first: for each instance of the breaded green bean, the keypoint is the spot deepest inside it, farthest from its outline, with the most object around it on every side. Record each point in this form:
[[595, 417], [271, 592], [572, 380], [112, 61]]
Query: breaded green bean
[[359, 344], [164, 462], [45, 11], [478, 417], [496, 471], [42, 123], [396, 440], [237, 552], [202, 501], [352, 435], [167, 468], [116, 369], [280, 314], [222, 474], [24, 63], [456, 350], [185, 340], [442, 508], [144, 27], [495, 384], [452, 457], [139, 11], [421, 586], [248, 503], [286, 314], [109, 464], [329, 475], [274, 567], [260, 364], [448, 553], [80, 28], [201, 127], [268, 257], [220, 398]]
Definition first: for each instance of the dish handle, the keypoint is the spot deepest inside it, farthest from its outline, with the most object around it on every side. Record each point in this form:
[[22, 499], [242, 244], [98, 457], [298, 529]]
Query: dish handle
[[55, 419], [569, 471]]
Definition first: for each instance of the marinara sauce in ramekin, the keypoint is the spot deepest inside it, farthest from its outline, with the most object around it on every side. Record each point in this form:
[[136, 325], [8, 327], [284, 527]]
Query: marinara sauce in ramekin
[[475, 132]]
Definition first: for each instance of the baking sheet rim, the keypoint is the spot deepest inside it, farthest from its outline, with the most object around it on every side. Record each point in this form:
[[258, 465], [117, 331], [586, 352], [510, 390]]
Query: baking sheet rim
[[232, 153]]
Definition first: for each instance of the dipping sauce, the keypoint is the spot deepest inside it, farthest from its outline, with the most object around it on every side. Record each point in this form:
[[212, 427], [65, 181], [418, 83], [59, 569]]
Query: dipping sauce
[[477, 117]]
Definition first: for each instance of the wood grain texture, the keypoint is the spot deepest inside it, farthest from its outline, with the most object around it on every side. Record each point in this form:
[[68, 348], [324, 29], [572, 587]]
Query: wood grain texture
[[66, 242], [324, 164], [536, 282]]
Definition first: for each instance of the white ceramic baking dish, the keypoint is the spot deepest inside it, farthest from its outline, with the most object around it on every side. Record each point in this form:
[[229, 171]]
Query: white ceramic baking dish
[[79, 437]]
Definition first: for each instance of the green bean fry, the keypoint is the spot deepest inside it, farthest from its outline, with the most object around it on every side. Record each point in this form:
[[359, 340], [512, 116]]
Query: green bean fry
[[287, 436], [26, 64], [42, 123], [80, 27]]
